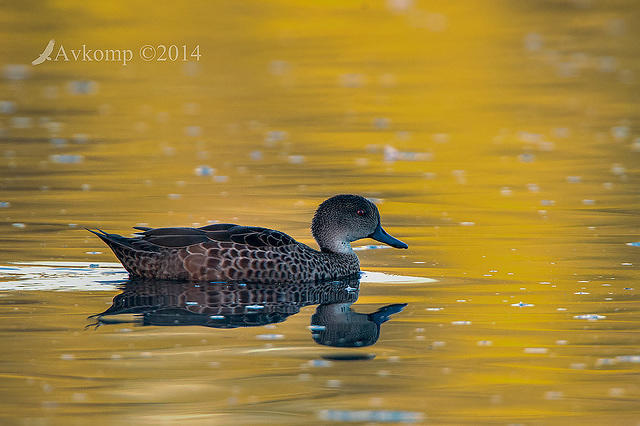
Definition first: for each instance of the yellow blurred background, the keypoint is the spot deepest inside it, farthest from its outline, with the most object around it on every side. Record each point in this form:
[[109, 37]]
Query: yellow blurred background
[[500, 139]]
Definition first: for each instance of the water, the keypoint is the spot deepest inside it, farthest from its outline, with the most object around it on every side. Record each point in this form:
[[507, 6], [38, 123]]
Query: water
[[499, 140]]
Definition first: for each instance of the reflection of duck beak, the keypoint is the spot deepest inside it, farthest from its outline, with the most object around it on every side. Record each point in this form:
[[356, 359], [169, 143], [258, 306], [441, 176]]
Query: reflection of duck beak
[[383, 314], [381, 235]]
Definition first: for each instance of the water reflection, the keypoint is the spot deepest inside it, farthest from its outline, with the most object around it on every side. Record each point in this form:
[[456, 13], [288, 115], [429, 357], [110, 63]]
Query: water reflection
[[231, 305], [336, 324]]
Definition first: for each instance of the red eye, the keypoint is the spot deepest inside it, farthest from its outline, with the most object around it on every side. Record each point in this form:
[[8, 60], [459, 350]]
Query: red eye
[[361, 212]]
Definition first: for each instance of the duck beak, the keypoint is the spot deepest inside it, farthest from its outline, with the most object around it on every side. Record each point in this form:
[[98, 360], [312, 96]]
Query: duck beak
[[381, 235]]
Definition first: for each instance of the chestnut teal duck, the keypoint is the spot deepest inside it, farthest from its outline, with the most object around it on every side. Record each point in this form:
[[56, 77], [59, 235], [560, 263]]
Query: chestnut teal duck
[[228, 252]]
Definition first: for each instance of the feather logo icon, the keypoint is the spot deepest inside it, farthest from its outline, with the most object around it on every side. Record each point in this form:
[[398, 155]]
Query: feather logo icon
[[44, 56]]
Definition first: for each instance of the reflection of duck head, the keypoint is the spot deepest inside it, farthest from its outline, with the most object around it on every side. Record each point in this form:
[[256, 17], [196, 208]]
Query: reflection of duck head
[[337, 325], [223, 305]]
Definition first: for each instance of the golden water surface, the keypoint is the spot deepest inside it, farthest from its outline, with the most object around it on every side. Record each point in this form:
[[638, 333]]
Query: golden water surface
[[500, 139]]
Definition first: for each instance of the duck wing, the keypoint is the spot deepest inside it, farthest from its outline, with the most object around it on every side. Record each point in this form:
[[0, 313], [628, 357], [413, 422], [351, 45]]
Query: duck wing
[[252, 236]]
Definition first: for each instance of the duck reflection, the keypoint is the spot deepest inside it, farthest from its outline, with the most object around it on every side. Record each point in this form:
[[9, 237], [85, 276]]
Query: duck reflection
[[336, 324], [231, 305]]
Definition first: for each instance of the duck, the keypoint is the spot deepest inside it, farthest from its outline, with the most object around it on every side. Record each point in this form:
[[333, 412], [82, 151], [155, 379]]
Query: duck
[[225, 252]]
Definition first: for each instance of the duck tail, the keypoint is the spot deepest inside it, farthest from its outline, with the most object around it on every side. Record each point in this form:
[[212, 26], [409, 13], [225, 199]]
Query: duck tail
[[111, 239], [121, 246]]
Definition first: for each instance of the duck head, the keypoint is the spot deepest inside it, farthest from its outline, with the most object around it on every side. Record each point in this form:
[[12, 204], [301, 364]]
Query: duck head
[[342, 219]]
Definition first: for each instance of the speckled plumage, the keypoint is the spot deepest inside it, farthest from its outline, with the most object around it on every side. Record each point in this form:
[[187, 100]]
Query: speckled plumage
[[229, 252]]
